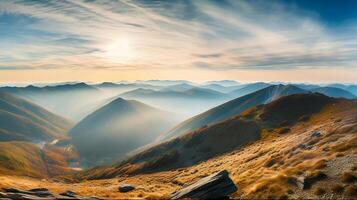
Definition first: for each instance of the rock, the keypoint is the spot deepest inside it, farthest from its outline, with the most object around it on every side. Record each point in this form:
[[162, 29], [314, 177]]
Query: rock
[[316, 134], [68, 193], [21, 196], [39, 192], [215, 186], [302, 146], [305, 182], [126, 188]]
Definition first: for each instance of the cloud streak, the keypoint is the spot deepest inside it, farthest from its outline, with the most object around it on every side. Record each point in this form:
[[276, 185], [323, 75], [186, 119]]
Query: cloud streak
[[130, 35]]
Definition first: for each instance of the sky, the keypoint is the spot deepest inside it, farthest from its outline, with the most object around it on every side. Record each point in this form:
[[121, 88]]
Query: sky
[[243, 40]]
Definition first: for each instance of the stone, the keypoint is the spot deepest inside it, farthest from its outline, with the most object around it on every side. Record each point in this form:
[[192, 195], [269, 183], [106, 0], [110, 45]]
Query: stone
[[39, 192], [215, 186], [68, 193], [306, 181], [316, 134], [126, 188]]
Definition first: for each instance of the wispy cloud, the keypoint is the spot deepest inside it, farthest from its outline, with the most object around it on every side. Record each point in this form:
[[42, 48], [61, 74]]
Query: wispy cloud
[[211, 35]]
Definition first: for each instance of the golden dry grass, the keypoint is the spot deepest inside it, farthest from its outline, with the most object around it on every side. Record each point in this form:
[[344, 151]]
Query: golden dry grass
[[267, 168]]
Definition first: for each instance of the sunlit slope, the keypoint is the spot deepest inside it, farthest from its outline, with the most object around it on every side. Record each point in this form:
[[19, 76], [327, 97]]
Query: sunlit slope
[[226, 136], [117, 128], [26, 159], [23, 120], [232, 108]]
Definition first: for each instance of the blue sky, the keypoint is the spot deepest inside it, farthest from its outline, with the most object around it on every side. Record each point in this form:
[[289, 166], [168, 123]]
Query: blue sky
[[142, 39]]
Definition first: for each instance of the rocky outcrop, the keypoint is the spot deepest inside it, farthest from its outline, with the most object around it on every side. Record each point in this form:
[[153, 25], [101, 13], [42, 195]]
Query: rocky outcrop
[[39, 194], [126, 188], [215, 186]]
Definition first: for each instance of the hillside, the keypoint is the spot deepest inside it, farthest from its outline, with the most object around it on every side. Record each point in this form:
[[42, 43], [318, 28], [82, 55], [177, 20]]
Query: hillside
[[334, 92], [72, 101], [318, 148], [26, 159], [310, 156], [232, 108], [225, 136], [116, 129], [23, 120]]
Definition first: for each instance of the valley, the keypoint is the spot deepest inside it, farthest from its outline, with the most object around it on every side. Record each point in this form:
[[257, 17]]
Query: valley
[[277, 142]]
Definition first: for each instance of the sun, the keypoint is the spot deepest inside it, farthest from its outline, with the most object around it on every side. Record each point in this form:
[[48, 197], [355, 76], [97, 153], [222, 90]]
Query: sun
[[120, 50]]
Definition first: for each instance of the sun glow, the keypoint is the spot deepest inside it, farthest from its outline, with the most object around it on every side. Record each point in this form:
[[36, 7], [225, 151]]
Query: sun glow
[[120, 50]]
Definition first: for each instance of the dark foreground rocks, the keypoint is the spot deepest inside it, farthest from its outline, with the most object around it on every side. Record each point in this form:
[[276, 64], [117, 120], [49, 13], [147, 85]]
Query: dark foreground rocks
[[39, 194], [215, 186], [126, 188]]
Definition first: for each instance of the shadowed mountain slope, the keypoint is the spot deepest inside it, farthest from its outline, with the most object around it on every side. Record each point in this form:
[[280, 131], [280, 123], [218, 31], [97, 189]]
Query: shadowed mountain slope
[[118, 128], [232, 108], [220, 138], [23, 120], [334, 92]]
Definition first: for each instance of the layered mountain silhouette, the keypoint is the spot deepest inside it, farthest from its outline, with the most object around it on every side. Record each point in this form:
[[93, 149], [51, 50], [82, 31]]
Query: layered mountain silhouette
[[221, 88], [178, 87], [232, 108], [216, 139], [334, 92], [248, 88], [23, 120], [116, 88], [347, 87], [118, 128], [191, 100], [72, 101]]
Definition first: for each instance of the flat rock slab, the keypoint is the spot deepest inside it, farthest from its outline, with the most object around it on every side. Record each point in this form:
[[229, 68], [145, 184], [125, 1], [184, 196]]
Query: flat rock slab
[[126, 188], [39, 194], [215, 186]]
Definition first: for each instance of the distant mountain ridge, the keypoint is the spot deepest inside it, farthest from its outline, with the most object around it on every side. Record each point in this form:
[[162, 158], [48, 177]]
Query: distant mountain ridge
[[70, 100], [334, 92]]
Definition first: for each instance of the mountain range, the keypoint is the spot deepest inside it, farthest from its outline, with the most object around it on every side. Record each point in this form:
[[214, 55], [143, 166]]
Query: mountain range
[[269, 141], [72, 101], [259, 122]]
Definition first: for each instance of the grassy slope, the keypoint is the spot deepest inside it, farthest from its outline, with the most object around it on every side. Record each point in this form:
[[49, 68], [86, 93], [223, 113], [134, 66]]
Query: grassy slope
[[219, 138], [26, 159], [27, 121], [262, 169], [232, 108]]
